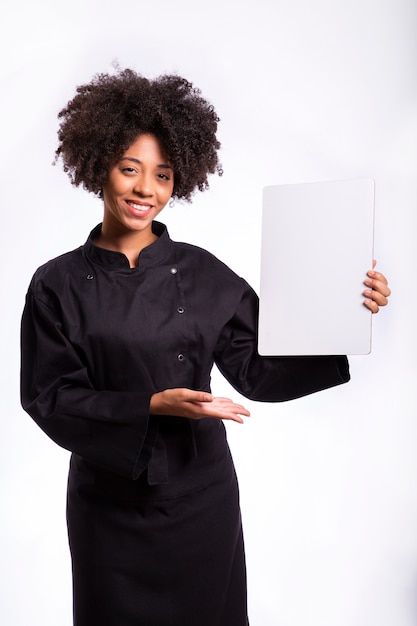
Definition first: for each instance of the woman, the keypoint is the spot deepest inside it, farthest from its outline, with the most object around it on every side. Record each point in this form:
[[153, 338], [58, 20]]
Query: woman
[[118, 341]]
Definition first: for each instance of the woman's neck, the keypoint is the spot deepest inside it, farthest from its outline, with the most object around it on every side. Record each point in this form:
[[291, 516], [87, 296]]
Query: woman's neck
[[129, 243]]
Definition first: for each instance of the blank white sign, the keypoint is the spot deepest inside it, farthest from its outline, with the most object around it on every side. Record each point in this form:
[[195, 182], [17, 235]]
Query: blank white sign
[[317, 245]]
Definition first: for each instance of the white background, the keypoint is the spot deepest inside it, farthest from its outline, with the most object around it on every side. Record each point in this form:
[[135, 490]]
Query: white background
[[306, 90]]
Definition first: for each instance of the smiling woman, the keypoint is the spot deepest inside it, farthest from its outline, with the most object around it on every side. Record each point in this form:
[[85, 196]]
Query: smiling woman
[[119, 338]]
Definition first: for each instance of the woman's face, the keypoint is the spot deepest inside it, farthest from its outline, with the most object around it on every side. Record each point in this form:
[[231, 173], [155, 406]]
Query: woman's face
[[138, 186]]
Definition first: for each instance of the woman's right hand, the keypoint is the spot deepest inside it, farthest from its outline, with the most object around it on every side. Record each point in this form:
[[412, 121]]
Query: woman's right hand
[[197, 405]]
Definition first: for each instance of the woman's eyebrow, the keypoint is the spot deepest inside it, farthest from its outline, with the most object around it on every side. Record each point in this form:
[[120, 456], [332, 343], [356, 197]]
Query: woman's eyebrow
[[163, 165]]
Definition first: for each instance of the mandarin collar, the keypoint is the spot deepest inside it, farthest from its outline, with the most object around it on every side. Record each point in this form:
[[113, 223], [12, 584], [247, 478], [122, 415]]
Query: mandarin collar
[[152, 255]]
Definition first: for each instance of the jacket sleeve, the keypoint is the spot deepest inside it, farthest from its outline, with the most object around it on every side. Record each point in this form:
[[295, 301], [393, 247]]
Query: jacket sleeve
[[270, 379], [110, 428]]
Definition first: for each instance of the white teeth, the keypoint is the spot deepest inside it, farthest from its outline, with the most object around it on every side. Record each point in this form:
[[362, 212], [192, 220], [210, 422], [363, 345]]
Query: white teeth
[[139, 207]]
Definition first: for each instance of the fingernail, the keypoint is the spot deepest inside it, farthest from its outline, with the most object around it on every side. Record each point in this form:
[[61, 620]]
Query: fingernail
[[367, 292]]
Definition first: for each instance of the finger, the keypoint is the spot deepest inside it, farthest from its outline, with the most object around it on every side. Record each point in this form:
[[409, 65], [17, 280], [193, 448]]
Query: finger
[[376, 297], [381, 296], [189, 395], [178, 401], [228, 405], [371, 304], [222, 408], [214, 409], [233, 417], [220, 400], [378, 286], [377, 290], [373, 263], [380, 290], [372, 274], [224, 403], [219, 414]]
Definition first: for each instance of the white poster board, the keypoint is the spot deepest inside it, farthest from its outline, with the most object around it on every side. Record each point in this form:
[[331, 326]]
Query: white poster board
[[317, 245]]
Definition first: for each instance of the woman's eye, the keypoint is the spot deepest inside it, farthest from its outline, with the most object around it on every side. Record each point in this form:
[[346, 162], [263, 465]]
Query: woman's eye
[[128, 170], [164, 177]]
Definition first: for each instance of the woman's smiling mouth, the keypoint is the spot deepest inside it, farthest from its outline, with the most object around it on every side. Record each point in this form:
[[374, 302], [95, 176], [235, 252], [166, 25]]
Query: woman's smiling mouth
[[138, 206]]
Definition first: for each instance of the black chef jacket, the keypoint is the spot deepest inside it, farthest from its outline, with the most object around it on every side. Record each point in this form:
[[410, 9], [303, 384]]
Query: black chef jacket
[[98, 339]]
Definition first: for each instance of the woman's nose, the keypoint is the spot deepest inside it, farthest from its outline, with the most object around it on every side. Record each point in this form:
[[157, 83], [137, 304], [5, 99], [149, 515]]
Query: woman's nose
[[143, 186]]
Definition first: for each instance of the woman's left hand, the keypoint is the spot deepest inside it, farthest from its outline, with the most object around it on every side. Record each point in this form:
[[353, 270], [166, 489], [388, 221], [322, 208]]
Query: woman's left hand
[[377, 291]]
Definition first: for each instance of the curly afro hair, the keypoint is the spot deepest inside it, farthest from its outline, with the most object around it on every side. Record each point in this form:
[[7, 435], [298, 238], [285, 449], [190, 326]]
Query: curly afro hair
[[106, 116]]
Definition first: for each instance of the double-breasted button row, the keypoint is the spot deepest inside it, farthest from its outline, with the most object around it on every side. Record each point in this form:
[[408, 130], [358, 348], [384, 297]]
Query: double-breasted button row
[[180, 310]]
